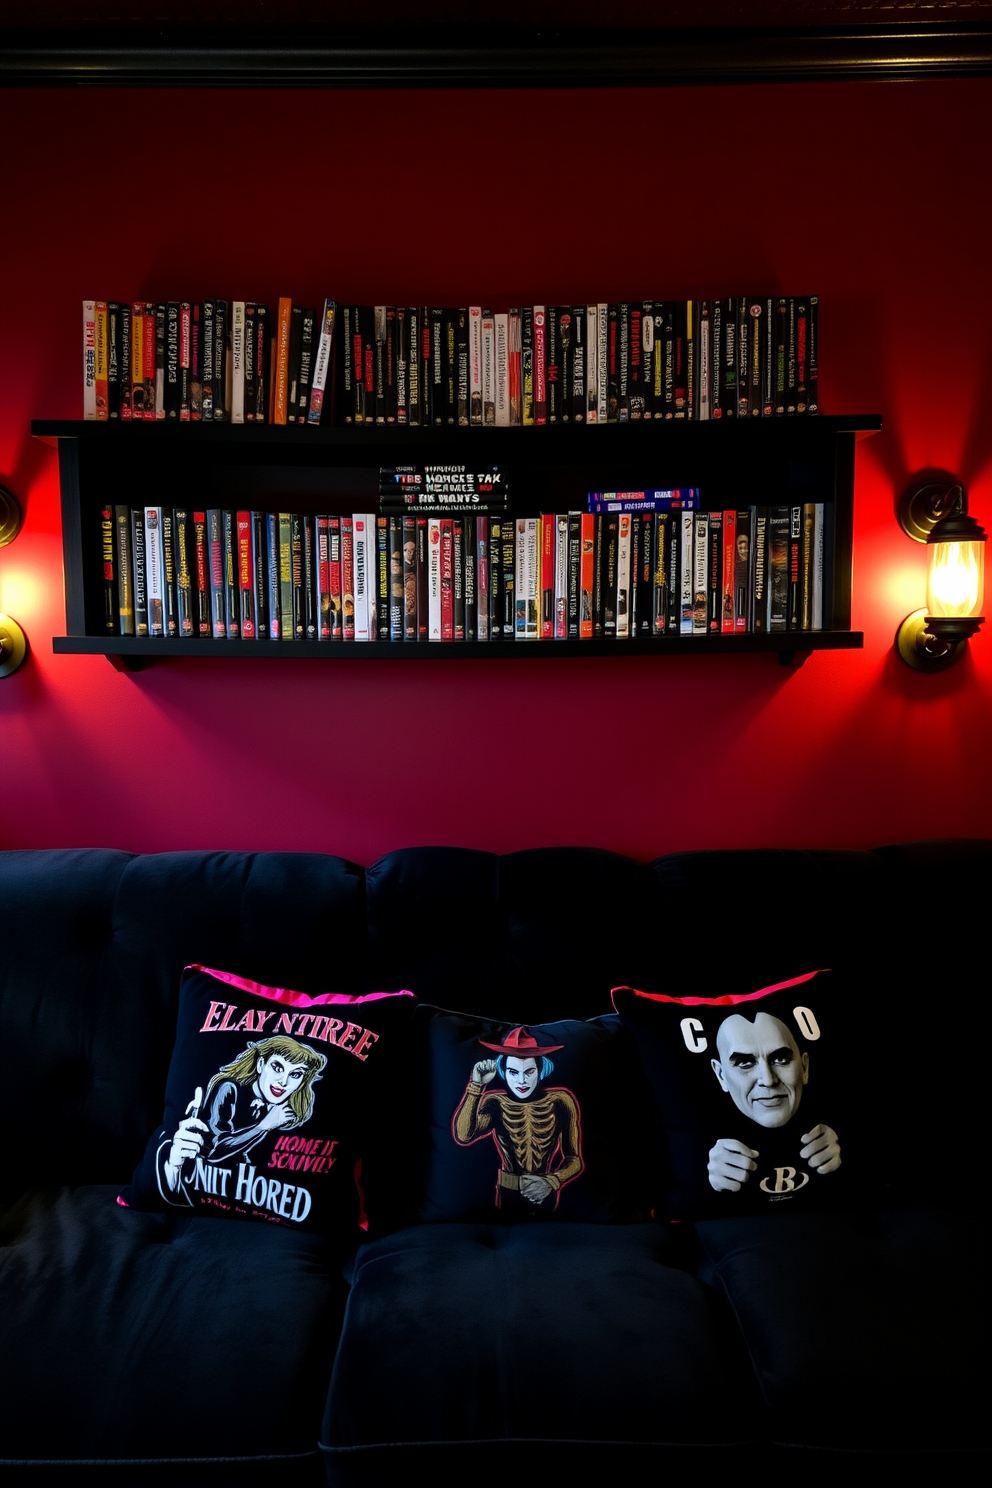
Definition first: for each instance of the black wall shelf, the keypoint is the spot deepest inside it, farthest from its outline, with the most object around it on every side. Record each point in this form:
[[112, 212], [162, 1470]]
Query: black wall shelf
[[265, 467], [131, 654]]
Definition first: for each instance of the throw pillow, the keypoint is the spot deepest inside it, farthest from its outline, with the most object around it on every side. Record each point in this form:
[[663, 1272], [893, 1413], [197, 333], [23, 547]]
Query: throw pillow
[[530, 1122], [750, 1092], [268, 1102]]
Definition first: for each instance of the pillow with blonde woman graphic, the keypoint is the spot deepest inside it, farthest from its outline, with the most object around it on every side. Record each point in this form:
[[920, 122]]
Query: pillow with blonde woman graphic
[[265, 1103]]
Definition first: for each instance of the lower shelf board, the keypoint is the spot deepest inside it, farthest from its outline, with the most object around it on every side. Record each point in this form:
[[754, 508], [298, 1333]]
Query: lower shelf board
[[133, 653]]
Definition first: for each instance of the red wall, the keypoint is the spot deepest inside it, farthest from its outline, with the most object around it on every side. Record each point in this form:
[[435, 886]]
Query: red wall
[[872, 195]]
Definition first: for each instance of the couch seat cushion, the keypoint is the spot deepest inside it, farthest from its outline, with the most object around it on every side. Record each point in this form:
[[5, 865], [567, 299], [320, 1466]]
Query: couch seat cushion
[[571, 1332], [867, 1331], [165, 1336]]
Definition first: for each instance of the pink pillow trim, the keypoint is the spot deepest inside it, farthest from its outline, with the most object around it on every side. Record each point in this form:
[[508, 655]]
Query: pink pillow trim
[[286, 995]]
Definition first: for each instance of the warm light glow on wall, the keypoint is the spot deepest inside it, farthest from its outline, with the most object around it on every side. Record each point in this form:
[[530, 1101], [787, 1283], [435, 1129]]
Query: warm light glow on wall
[[20, 591]]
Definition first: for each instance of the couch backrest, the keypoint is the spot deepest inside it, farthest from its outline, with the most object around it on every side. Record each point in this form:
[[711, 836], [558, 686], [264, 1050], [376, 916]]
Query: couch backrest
[[94, 942]]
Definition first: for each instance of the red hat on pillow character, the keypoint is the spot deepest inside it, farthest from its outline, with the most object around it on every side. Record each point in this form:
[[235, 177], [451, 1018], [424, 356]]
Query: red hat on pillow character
[[518, 1041]]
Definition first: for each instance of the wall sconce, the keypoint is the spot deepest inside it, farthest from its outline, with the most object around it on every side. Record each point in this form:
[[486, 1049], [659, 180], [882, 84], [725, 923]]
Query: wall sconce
[[935, 512], [13, 644]]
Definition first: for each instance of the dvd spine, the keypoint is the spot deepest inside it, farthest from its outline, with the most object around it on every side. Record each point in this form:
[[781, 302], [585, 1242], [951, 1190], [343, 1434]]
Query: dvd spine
[[335, 578], [587, 574], [185, 566], [482, 576], [89, 359], [273, 576], [548, 543], [196, 362], [558, 524], [488, 369], [244, 537], [125, 569], [552, 367], [409, 578], [527, 366], [540, 365], [202, 574], [124, 359], [323, 577], [362, 576], [324, 363], [215, 554], [154, 566], [423, 580], [232, 627], [111, 619], [574, 575], [297, 598], [447, 580], [463, 356], [715, 573], [578, 359], [434, 578], [496, 599], [700, 573], [611, 536], [238, 312], [286, 626], [381, 629], [139, 571], [659, 586], [309, 581], [623, 576], [396, 578], [501, 324], [687, 568]]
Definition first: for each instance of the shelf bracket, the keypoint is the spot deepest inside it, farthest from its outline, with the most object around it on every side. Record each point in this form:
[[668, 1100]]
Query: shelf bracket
[[127, 663], [792, 658]]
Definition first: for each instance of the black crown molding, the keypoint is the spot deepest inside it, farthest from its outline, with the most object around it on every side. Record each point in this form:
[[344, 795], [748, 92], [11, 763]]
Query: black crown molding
[[454, 59]]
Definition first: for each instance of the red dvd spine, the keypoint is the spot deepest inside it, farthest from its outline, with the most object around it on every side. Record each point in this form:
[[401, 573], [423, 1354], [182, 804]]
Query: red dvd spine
[[246, 575], [587, 568], [540, 365], [729, 559], [334, 577], [323, 580]]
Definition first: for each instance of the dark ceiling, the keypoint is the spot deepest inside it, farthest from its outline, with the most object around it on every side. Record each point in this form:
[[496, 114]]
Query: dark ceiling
[[475, 43], [302, 16]]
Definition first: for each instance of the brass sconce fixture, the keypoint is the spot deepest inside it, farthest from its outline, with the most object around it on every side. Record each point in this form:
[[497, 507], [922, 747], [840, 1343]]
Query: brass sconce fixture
[[13, 644], [935, 512]]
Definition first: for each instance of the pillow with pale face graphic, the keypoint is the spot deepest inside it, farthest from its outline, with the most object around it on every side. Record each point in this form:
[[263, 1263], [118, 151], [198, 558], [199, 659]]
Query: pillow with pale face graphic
[[751, 1094], [269, 1103], [542, 1121]]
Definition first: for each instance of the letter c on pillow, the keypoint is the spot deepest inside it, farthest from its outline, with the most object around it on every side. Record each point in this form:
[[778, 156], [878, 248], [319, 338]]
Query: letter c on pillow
[[691, 1029]]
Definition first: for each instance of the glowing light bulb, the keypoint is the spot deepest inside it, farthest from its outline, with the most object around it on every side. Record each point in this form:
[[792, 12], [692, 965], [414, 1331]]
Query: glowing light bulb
[[955, 582]]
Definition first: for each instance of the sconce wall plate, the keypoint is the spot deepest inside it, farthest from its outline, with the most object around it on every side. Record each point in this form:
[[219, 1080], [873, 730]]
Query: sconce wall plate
[[921, 650], [922, 506], [13, 645], [10, 517]]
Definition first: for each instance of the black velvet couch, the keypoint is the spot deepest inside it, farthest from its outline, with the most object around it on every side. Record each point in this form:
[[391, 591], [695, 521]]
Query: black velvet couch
[[165, 1348]]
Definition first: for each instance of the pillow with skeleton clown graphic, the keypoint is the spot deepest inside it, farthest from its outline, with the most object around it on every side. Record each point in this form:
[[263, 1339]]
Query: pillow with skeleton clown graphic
[[529, 1122], [750, 1092], [266, 1103]]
